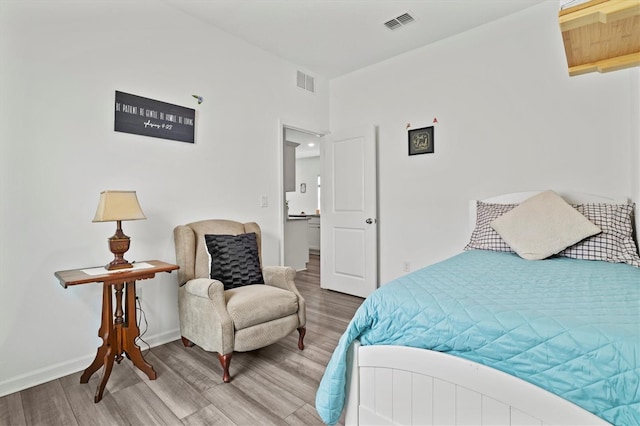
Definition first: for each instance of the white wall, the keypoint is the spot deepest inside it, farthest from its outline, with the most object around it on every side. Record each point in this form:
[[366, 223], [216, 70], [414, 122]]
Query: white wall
[[60, 66], [634, 131], [509, 119], [307, 171]]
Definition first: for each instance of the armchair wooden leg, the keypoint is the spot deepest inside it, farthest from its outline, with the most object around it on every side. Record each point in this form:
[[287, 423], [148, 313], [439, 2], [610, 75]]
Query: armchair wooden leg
[[225, 360], [186, 342], [301, 331]]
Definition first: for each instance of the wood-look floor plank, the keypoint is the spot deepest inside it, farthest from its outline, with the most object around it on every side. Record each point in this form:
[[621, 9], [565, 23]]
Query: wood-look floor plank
[[208, 360], [195, 370], [177, 394], [305, 385], [240, 407], [294, 362], [305, 416], [46, 405], [208, 416], [11, 411], [275, 385], [314, 350], [121, 377], [280, 401], [141, 406], [80, 397]]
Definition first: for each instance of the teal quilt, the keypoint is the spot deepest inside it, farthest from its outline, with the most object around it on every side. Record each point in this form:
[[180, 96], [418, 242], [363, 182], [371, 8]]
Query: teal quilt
[[569, 326]]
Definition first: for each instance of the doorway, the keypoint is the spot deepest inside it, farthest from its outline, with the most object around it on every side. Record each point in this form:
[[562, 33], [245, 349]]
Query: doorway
[[301, 195], [348, 212]]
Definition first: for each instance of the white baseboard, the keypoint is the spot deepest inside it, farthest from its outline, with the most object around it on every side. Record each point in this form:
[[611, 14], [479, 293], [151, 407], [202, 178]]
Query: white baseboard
[[55, 371]]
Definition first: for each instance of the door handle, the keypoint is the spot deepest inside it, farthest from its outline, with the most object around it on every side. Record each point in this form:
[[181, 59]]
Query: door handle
[[370, 221]]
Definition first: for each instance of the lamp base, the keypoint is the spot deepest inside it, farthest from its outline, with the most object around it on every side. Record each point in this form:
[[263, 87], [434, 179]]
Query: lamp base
[[115, 265], [118, 244]]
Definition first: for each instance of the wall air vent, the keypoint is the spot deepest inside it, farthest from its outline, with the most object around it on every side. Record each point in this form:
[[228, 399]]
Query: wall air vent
[[306, 82], [399, 21]]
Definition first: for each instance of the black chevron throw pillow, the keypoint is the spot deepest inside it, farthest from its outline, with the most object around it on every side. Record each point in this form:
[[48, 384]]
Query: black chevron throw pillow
[[234, 259]]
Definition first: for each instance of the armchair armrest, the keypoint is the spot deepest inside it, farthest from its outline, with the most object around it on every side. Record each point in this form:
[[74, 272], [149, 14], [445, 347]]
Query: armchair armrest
[[204, 318], [206, 288], [284, 277], [280, 276]]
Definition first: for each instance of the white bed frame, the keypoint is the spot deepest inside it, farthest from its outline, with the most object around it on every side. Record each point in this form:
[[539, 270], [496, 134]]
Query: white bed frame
[[410, 386]]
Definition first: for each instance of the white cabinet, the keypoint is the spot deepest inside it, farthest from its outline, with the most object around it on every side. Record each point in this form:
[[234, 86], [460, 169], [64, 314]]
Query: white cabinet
[[290, 166], [314, 232], [296, 244]]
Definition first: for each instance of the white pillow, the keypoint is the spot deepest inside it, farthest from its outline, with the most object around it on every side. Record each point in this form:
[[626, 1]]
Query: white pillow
[[542, 226]]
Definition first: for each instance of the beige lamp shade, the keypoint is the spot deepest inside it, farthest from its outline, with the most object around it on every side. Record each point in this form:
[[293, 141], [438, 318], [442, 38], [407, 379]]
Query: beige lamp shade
[[118, 205]]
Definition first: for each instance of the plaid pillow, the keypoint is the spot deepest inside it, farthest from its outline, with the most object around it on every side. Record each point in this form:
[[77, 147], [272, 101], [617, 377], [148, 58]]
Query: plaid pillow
[[484, 237], [615, 243]]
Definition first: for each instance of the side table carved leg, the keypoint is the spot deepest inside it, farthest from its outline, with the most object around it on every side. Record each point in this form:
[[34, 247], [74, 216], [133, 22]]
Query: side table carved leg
[[104, 332], [131, 333], [108, 365]]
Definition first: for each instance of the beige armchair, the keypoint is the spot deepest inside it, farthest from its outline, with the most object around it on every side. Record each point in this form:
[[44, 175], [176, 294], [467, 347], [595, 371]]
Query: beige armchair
[[238, 319]]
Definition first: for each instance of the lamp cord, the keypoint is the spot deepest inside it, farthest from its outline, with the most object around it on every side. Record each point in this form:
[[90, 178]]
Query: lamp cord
[[142, 317]]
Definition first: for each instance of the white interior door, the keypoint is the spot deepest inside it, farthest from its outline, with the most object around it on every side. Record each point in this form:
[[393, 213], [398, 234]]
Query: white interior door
[[349, 233]]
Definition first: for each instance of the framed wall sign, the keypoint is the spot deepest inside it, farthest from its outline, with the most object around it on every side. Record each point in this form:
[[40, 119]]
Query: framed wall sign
[[421, 141], [148, 117]]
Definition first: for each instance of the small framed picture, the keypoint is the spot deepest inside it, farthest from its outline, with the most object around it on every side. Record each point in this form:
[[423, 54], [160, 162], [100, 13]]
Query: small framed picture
[[421, 141]]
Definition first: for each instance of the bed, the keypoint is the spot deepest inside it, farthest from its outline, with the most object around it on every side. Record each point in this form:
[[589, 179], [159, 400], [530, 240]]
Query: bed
[[488, 337]]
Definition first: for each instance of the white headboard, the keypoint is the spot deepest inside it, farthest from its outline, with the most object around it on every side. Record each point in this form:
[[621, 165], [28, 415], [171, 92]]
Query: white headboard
[[573, 197]]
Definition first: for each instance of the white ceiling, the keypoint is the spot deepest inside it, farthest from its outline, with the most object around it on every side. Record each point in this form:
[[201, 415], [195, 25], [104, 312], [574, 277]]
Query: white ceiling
[[334, 37], [331, 38], [309, 143]]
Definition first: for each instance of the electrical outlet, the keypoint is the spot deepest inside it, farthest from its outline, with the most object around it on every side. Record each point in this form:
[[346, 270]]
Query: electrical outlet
[[139, 292], [406, 266], [264, 201]]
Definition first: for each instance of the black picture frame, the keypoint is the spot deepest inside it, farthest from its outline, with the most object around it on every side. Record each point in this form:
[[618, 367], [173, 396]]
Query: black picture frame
[[421, 141]]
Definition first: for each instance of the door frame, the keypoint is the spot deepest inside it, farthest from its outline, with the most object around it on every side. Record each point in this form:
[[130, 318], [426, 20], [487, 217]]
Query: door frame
[[282, 124]]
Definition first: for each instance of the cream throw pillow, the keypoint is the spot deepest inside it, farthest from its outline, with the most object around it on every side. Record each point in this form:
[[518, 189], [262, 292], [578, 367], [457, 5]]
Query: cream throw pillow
[[542, 226]]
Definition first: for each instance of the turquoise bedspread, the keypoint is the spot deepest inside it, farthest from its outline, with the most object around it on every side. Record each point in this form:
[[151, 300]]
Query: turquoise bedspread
[[569, 326]]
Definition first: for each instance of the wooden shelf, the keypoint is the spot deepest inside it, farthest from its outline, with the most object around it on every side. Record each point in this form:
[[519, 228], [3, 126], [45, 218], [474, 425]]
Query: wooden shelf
[[601, 35]]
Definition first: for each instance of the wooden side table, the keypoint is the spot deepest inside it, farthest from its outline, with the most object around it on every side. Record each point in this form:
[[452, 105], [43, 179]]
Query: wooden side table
[[118, 330]]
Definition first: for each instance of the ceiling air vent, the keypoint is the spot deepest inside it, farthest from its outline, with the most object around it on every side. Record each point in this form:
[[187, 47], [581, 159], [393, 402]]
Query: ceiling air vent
[[305, 82], [393, 24], [399, 21], [405, 18]]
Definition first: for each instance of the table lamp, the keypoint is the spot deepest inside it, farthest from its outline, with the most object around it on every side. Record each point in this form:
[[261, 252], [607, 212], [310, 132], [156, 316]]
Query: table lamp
[[116, 206]]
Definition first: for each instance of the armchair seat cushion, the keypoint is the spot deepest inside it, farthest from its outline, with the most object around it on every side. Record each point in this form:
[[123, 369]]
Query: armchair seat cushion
[[256, 304]]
